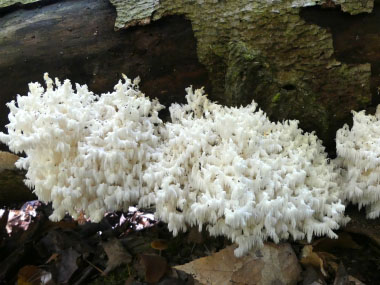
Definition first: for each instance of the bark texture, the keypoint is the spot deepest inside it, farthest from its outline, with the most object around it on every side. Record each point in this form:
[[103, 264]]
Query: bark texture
[[264, 50], [76, 39], [8, 3]]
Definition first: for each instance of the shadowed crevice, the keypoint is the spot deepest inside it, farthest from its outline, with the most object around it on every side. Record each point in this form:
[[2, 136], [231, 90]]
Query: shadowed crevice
[[356, 39]]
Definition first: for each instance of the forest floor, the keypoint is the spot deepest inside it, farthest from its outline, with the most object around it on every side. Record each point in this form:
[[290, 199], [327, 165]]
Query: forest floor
[[132, 248]]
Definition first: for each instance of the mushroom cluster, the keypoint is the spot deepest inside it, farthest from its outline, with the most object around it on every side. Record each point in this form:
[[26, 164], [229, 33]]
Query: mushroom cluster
[[242, 176], [358, 152], [84, 153], [231, 170]]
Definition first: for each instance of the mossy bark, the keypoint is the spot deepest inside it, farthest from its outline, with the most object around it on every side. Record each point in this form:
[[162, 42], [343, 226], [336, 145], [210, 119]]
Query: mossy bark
[[252, 50], [75, 39], [264, 50], [7, 3]]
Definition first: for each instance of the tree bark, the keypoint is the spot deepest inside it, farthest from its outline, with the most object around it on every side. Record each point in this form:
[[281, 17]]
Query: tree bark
[[75, 39]]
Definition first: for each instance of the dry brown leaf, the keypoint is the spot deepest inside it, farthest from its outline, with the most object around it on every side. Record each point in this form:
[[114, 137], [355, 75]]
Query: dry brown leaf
[[309, 257], [33, 275], [155, 267], [116, 254], [329, 260], [319, 260], [67, 264], [28, 275], [271, 264], [341, 276]]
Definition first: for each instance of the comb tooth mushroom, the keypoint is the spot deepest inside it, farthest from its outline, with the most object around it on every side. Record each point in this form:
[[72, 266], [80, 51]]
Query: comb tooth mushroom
[[242, 176], [79, 145], [231, 170], [358, 152]]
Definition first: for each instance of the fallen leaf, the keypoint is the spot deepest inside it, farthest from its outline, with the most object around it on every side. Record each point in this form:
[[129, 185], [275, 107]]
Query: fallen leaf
[[341, 277], [155, 267], [309, 257], [116, 254], [67, 264], [319, 260], [28, 275], [52, 242], [329, 260], [273, 264], [33, 275]]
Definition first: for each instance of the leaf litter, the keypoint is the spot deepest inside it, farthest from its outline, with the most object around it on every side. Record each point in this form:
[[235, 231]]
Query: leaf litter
[[133, 248]]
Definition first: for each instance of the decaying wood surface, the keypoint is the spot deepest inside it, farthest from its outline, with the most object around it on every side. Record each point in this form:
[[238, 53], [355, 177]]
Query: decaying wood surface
[[76, 39]]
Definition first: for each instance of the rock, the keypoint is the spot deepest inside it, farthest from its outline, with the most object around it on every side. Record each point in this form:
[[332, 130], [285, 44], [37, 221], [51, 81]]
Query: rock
[[7, 161], [12, 187], [273, 264]]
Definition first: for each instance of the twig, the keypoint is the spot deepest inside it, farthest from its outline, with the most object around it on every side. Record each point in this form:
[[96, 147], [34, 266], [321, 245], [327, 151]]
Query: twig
[[93, 265]]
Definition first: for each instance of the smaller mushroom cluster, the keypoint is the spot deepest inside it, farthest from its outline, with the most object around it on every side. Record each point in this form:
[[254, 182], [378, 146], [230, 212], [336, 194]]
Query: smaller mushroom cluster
[[359, 156]]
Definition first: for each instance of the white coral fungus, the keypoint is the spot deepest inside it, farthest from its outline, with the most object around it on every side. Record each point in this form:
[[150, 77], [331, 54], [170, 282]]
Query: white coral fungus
[[229, 169], [359, 153], [242, 176], [84, 152]]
